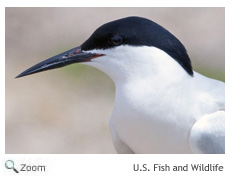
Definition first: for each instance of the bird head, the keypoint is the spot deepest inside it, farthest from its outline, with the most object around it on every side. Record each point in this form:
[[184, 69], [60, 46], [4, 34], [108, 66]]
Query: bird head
[[127, 46]]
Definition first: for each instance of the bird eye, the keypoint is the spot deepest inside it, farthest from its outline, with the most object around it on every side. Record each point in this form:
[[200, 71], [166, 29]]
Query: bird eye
[[116, 40]]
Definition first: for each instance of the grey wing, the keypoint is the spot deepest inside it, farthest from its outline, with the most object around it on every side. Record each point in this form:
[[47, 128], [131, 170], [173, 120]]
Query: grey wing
[[207, 135]]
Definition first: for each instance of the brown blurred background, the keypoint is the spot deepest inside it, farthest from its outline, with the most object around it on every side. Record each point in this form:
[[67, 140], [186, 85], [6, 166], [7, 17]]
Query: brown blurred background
[[67, 110]]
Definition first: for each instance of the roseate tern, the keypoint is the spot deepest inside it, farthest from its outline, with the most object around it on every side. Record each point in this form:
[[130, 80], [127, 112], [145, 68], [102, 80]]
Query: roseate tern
[[161, 104]]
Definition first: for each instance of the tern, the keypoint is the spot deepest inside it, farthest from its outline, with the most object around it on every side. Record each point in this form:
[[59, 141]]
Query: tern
[[161, 104]]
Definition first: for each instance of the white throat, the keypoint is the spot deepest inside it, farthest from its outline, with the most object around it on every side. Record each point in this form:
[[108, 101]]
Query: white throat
[[130, 63]]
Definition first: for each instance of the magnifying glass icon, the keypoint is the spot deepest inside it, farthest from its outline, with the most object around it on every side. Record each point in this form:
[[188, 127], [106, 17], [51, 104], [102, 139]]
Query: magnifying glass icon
[[9, 164]]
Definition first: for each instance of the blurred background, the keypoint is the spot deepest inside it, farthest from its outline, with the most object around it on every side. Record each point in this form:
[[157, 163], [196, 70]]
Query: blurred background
[[67, 110]]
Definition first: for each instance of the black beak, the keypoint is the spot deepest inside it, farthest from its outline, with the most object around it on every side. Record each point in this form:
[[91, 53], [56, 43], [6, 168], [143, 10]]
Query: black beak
[[75, 55]]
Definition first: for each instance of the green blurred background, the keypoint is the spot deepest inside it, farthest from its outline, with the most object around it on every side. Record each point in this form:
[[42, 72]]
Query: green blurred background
[[67, 110]]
